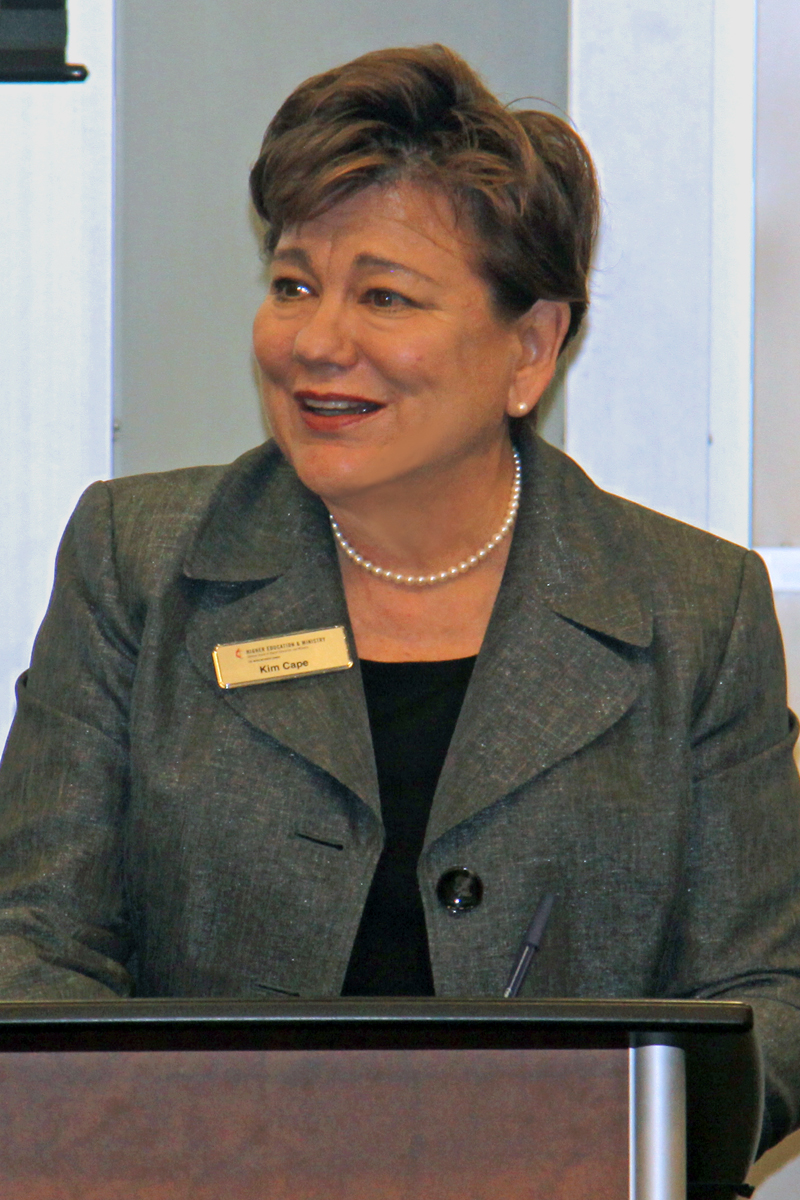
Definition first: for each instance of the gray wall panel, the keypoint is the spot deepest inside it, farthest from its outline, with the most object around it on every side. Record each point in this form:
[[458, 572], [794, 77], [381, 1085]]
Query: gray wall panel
[[197, 84], [776, 457]]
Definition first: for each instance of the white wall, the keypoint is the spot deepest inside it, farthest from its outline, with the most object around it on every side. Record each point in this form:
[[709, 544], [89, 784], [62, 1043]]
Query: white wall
[[659, 399], [776, 460], [776, 514], [55, 334]]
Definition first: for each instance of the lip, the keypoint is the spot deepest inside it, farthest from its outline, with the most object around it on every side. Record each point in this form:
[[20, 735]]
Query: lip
[[330, 423]]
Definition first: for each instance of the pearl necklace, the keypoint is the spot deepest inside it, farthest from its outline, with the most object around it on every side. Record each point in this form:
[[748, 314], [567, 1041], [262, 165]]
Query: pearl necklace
[[439, 576]]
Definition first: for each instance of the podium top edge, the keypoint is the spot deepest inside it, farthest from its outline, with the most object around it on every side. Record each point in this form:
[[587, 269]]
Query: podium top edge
[[644, 1016]]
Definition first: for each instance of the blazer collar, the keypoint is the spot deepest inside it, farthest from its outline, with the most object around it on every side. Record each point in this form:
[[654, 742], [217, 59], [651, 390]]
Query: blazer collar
[[573, 544], [545, 683], [558, 664], [265, 564], [259, 517]]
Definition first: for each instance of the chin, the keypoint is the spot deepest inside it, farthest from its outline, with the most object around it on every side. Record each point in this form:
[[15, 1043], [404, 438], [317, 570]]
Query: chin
[[331, 472]]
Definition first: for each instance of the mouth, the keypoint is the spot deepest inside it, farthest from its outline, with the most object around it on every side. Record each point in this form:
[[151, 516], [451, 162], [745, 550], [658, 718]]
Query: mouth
[[333, 410]]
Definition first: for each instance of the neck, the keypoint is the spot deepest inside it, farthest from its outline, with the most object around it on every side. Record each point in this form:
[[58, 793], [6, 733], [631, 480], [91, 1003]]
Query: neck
[[431, 522]]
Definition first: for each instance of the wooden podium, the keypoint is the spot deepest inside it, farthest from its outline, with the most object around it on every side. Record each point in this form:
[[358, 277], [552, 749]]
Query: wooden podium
[[377, 1100]]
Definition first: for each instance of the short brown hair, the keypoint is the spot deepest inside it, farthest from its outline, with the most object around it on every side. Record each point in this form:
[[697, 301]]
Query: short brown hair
[[524, 177]]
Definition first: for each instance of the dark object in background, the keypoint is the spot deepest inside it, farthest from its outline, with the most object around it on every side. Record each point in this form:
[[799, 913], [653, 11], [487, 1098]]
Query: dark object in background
[[33, 43]]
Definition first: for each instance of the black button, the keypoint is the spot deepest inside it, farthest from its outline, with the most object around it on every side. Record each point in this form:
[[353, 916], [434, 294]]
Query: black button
[[459, 890]]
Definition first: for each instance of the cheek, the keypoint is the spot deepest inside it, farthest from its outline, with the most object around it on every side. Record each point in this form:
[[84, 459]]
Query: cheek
[[488, 354], [272, 344], [411, 362], [407, 362]]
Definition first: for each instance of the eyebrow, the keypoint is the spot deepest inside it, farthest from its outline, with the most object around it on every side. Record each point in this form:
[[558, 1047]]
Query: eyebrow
[[373, 262], [293, 254]]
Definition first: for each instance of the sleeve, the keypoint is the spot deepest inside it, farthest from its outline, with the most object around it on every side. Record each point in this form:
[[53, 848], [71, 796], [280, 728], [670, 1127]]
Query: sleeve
[[64, 932], [742, 926]]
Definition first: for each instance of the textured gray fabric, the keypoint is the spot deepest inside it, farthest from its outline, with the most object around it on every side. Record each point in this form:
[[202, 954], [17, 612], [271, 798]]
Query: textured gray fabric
[[624, 742]]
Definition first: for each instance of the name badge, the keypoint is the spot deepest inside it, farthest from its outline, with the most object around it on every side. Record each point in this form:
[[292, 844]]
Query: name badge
[[308, 652]]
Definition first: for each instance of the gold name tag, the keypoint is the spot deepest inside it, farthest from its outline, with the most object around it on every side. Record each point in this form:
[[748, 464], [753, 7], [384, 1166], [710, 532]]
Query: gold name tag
[[309, 652]]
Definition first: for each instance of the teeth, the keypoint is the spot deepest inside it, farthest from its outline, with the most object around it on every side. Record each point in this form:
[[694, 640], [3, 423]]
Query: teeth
[[340, 406], [335, 405]]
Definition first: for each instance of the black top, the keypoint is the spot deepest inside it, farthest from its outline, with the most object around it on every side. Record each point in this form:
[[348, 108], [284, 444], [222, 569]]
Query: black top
[[413, 708]]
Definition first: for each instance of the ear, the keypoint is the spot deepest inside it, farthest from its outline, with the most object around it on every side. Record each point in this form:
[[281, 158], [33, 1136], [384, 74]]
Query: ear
[[541, 331]]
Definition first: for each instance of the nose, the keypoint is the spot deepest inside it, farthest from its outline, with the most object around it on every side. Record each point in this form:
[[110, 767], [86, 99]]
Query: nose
[[324, 339]]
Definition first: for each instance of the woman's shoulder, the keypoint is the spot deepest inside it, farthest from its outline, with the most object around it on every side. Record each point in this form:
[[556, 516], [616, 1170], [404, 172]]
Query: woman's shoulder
[[170, 491], [630, 529], [149, 523], [600, 544]]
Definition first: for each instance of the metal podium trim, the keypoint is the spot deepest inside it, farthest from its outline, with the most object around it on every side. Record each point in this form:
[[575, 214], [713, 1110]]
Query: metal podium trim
[[657, 1085]]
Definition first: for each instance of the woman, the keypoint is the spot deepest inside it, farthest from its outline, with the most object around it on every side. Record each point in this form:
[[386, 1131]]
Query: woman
[[540, 687]]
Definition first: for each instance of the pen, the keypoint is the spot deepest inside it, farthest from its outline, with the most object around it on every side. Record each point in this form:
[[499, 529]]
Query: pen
[[530, 944]]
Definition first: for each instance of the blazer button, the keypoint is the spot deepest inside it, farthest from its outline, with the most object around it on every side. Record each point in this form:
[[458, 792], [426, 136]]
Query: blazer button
[[459, 890]]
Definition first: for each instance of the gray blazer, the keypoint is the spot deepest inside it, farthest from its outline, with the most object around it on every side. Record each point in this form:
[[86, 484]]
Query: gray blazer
[[624, 742]]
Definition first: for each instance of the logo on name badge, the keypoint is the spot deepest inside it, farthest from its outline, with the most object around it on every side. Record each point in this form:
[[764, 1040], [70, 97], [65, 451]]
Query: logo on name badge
[[264, 660]]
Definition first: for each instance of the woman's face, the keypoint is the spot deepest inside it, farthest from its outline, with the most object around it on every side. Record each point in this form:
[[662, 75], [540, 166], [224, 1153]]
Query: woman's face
[[382, 357]]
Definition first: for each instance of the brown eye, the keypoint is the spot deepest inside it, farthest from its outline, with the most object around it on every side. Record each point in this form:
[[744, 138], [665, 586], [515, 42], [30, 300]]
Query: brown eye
[[385, 298], [286, 288]]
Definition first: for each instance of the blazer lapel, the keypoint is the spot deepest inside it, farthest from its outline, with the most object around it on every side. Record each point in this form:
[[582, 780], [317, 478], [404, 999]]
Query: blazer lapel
[[264, 565], [545, 684]]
